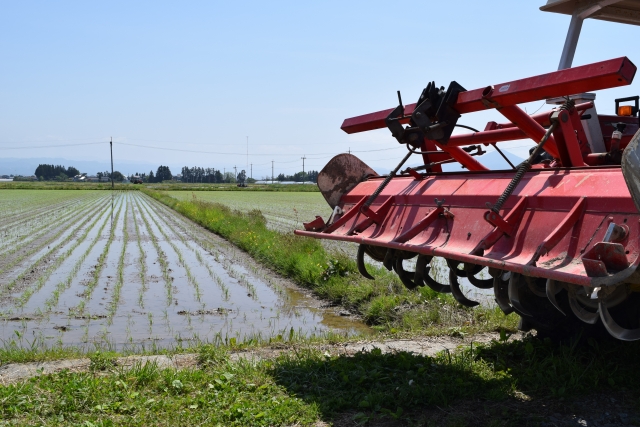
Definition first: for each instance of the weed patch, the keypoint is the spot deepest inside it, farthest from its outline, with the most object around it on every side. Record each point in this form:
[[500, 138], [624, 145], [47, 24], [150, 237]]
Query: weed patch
[[101, 361]]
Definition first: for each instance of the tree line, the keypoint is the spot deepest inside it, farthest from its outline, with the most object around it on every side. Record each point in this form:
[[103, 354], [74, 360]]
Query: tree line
[[163, 173], [311, 176], [55, 173]]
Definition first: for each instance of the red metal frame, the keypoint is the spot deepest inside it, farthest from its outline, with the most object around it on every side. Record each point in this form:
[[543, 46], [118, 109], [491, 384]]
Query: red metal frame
[[510, 132], [573, 200], [600, 75], [553, 223]]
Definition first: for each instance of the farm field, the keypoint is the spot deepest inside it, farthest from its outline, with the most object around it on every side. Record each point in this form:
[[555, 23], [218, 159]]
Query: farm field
[[284, 211], [287, 211], [120, 269]]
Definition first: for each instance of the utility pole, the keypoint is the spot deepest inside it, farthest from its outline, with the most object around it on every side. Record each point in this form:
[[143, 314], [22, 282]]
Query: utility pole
[[251, 171], [349, 150], [303, 157], [236, 173], [224, 174], [272, 171], [247, 153], [111, 149]]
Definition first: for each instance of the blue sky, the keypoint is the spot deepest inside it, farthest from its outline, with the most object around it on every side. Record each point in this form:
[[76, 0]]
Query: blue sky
[[202, 76]]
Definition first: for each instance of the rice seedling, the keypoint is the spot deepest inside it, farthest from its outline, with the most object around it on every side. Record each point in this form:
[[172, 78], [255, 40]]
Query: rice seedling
[[17, 209], [181, 261], [47, 272], [49, 238], [142, 264], [53, 300], [150, 317], [99, 266], [202, 243], [115, 299], [76, 241], [14, 234], [162, 258]]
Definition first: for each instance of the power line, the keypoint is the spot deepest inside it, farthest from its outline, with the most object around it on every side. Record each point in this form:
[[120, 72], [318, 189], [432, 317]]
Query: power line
[[321, 155], [53, 146]]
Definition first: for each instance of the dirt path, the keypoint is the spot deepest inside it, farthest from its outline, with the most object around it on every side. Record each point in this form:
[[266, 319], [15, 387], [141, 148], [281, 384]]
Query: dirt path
[[426, 346]]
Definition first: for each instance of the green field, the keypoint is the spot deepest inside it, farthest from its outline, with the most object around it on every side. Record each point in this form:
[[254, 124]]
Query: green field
[[284, 211]]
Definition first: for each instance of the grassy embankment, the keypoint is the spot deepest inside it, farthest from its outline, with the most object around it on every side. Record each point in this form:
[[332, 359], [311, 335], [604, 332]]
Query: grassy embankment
[[506, 383], [383, 303]]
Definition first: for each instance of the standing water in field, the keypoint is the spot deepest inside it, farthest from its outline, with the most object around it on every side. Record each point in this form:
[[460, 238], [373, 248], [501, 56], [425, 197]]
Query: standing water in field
[[285, 212], [119, 269]]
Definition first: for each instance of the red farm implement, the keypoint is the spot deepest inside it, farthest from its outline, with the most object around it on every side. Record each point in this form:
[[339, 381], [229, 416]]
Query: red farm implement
[[559, 233]]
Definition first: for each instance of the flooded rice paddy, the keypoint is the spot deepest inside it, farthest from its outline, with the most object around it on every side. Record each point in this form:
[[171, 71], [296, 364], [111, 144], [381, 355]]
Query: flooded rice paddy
[[286, 211], [119, 269]]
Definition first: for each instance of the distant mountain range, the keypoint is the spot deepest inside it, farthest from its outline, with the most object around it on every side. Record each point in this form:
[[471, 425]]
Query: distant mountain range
[[492, 160], [20, 166]]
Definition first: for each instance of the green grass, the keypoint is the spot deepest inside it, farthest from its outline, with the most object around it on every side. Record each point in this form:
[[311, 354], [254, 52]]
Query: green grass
[[306, 385], [383, 303], [24, 350]]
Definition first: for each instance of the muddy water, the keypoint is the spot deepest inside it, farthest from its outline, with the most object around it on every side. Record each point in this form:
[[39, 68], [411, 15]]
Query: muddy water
[[128, 272]]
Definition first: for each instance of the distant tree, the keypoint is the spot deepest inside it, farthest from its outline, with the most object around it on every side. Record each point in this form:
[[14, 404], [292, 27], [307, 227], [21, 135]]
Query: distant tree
[[99, 175], [242, 176], [312, 176], [163, 174], [49, 172], [71, 171], [118, 176], [228, 177], [198, 174], [151, 178], [185, 174]]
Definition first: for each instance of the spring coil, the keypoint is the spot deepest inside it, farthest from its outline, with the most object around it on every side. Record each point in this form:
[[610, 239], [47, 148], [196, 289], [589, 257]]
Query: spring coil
[[386, 181], [523, 168]]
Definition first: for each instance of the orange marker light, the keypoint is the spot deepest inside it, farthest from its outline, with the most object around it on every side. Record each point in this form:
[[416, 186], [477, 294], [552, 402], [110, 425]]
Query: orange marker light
[[625, 110]]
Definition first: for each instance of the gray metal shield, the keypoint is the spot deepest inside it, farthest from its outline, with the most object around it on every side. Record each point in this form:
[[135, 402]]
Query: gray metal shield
[[341, 175]]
